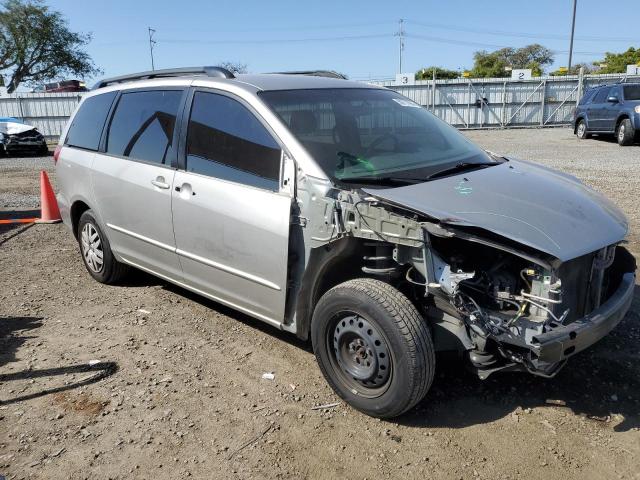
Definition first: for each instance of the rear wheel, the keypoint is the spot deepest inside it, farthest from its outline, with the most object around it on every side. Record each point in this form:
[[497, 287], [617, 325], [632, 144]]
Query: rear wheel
[[581, 130], [96, 251], [373, 347], [626, 133]]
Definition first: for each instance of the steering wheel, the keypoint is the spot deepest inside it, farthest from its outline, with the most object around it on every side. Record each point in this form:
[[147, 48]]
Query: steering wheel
[[381, 139]]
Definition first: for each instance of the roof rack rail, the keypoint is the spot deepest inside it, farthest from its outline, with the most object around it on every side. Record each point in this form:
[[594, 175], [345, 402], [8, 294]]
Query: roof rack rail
[[315, 73], [218, 72]]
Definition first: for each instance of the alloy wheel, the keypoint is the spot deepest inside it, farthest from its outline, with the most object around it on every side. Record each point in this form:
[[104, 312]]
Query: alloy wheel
[[92, 248]]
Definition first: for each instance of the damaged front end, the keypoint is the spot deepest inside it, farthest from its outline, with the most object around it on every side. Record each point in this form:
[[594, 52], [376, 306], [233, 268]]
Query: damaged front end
[[506, 305]]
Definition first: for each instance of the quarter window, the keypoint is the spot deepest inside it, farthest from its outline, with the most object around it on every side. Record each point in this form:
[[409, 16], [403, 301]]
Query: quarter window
[[588, 96], [601, 96], [225, 140], [143, 125], [86, 127]]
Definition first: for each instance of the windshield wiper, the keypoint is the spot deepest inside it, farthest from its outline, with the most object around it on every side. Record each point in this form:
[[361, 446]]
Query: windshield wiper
[[458, 167], [382, 180]]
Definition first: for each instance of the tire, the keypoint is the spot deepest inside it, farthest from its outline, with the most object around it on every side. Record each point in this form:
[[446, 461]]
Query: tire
[[625, 134], [93, 243], [581, 130], [373, 347]]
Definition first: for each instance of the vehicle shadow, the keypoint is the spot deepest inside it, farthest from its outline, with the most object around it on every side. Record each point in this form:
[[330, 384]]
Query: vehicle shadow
[[241, 317], [138, 278], [611, 138], [100, 370], [10, 339], [596, 384]]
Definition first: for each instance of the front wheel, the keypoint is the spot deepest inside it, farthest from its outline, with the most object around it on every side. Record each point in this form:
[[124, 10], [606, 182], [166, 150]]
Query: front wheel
[[373, 347], [626, 133]]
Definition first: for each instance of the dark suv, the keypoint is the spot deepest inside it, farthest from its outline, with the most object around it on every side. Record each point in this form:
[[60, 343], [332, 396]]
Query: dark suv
[[610, 109]]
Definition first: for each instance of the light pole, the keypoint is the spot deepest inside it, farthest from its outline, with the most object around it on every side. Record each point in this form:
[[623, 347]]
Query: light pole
[[152, 42], [573, 28], [400, 36]]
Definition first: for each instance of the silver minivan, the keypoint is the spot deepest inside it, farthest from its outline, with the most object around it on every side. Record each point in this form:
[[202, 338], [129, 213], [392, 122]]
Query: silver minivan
[[346, 214]]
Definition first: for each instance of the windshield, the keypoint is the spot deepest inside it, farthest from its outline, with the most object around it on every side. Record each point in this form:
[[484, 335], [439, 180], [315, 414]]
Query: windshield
[[357, 133], [632, 92]]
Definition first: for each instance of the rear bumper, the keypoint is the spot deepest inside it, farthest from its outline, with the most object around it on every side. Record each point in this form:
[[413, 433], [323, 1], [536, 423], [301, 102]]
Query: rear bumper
[[562, 342]]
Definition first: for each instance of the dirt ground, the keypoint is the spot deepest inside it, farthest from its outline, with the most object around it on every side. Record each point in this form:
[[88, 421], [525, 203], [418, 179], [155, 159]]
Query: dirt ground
[[175, 389]]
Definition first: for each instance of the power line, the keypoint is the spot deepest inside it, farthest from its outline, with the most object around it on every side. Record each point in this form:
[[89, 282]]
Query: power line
[[338, 26], [502, 33], [481, 45], [280, 40]]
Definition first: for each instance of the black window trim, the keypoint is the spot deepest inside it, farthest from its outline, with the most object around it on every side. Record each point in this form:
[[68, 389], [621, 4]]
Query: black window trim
[[184, 128], [173, 164]]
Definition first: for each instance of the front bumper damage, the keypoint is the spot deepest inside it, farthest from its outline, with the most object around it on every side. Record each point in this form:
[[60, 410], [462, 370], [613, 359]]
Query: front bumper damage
[[545, 353], [564, 341]]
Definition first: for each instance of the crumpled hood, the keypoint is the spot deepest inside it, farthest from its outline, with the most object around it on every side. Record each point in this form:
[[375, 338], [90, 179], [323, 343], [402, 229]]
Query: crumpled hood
[[12, 128], [533, 205]]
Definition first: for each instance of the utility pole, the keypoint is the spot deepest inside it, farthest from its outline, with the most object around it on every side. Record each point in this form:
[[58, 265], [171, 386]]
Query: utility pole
[[400, 36], [573, 28], [152, 42]]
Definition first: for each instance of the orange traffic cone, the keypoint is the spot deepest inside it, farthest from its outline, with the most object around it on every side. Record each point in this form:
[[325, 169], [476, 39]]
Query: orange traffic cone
[[49, 211]]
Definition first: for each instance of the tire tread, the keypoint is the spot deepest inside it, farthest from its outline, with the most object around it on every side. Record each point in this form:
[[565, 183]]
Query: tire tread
[[412, 327]]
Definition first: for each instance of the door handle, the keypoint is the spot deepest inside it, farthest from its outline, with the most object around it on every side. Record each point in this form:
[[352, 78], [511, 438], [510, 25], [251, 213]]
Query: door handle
[[160, 183], [185, 190]]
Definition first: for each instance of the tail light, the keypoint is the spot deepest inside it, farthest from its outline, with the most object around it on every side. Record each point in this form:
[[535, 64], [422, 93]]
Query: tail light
[[56, 153]]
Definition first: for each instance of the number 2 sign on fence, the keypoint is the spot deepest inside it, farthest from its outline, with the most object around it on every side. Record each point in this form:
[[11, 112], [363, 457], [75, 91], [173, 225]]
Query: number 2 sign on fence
[[521, 74]]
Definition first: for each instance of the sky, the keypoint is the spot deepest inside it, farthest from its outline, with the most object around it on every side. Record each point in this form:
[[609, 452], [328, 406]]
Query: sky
[[352, 37]]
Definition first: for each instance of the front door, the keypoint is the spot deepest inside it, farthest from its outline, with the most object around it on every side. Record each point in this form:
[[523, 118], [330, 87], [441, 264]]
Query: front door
[[611, 110], [230, 216], [133, 176]]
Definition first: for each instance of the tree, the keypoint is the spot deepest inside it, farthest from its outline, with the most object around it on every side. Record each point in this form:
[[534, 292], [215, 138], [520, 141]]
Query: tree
[[234, 67], [36, 45], [574, 70], [617, 62], [441, 73], [493, 64]]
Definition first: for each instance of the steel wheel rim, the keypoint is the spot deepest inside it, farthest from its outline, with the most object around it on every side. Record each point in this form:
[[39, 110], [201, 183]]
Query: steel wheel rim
[[581, 129], [621, 132], [360, 355], [91, 245]]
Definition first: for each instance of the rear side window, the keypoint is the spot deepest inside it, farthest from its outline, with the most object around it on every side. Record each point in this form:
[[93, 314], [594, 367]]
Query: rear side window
[[86, 127], [225, 140], [601, 96], [143, 125], [631, 92]]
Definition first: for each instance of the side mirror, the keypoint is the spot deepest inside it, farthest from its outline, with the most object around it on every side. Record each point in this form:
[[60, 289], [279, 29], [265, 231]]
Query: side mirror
[[613, 99]]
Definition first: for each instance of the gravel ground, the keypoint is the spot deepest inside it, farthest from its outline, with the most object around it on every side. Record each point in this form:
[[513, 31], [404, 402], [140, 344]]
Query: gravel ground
[[17, 190], [178, 391]]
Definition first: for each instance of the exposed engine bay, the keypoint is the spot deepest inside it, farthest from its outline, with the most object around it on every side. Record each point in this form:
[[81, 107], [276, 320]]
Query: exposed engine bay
[[496, 301]]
